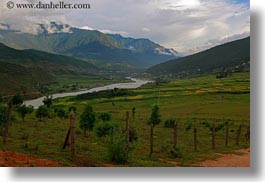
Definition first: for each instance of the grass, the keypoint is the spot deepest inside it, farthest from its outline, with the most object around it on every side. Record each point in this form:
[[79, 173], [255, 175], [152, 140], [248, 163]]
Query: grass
[[194, 101]]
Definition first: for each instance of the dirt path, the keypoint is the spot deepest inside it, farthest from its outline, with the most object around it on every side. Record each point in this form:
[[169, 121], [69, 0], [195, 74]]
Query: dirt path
[[11, 159], [230, 160]]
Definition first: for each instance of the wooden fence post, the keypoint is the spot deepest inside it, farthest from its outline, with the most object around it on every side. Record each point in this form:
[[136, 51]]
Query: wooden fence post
[[195, 138], [248, 134], [238, 134], [8, 121], [213, 136], [72, 135], [226, 135], [151, 138], [127, 127], [175, 135]]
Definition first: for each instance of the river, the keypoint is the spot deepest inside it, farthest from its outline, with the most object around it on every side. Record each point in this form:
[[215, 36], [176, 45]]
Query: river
[[135, 84]]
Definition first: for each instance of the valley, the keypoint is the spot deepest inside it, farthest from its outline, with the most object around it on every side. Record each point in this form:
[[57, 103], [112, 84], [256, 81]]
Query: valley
[[195, 108]]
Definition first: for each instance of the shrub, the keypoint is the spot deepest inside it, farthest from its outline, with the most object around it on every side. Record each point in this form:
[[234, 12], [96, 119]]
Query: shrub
[[42, 112], [170, 123], [118, 150], [23, 110], [189, 126], [48, 101], [176, 152], [166, 144], [72, 108], [61, 113], [133, 136], [106, 128], [105, 116]]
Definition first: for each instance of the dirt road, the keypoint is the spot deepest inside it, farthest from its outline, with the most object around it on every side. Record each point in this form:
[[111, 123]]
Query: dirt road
[[230, 160]]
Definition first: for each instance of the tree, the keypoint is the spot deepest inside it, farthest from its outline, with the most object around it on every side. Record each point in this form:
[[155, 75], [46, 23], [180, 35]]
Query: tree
[[1, 99], [17, 100], [42, 112], [87, 119], [61, 113], [23, 110], [47, 101], [155, 118], [153, 121], [105, 116]]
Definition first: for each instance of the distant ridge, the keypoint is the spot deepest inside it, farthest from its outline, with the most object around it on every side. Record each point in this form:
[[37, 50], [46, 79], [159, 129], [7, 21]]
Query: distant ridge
[[222, 56]]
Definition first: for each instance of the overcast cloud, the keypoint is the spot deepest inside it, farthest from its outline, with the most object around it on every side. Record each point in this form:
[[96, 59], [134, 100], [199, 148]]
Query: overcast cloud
[[188, 26]]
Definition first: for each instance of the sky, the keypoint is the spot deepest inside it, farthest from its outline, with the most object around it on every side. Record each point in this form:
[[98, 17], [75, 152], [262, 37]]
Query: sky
[[188, 26]]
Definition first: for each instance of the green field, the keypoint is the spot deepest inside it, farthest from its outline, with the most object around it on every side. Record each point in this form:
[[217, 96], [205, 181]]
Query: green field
[[68, 83], [193, 101]]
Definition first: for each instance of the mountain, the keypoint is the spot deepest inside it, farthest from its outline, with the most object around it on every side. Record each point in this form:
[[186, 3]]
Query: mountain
[[51, 63], [223, 56], [89, 44], [143, 45]]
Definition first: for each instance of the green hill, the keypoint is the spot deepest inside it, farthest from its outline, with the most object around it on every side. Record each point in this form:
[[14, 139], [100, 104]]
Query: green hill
[[16, 79], [55, 64], [223, 56], [29, 70]]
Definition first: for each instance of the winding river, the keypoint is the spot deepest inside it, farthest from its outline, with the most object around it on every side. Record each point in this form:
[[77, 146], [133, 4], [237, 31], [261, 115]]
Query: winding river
[[135, 84]]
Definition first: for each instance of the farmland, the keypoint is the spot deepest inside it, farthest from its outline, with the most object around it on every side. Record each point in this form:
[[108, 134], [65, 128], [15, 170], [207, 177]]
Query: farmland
[[201, 102]]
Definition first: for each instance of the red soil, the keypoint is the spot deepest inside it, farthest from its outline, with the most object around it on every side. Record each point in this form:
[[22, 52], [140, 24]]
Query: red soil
[[230, 160], [11, 159]]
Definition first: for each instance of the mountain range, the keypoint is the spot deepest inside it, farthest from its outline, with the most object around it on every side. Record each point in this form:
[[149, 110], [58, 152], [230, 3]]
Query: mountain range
[[102, 49]]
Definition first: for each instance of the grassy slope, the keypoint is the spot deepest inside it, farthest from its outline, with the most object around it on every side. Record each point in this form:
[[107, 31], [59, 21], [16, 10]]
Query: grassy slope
[[31, 68], [15, 78], [51, 63], [226, 55], [196, 99]]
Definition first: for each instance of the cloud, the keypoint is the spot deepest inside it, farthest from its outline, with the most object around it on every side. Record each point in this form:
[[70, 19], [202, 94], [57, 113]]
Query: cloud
[[186, 25], [86, 28], [145, 29], [115, 32], [178, 4]]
